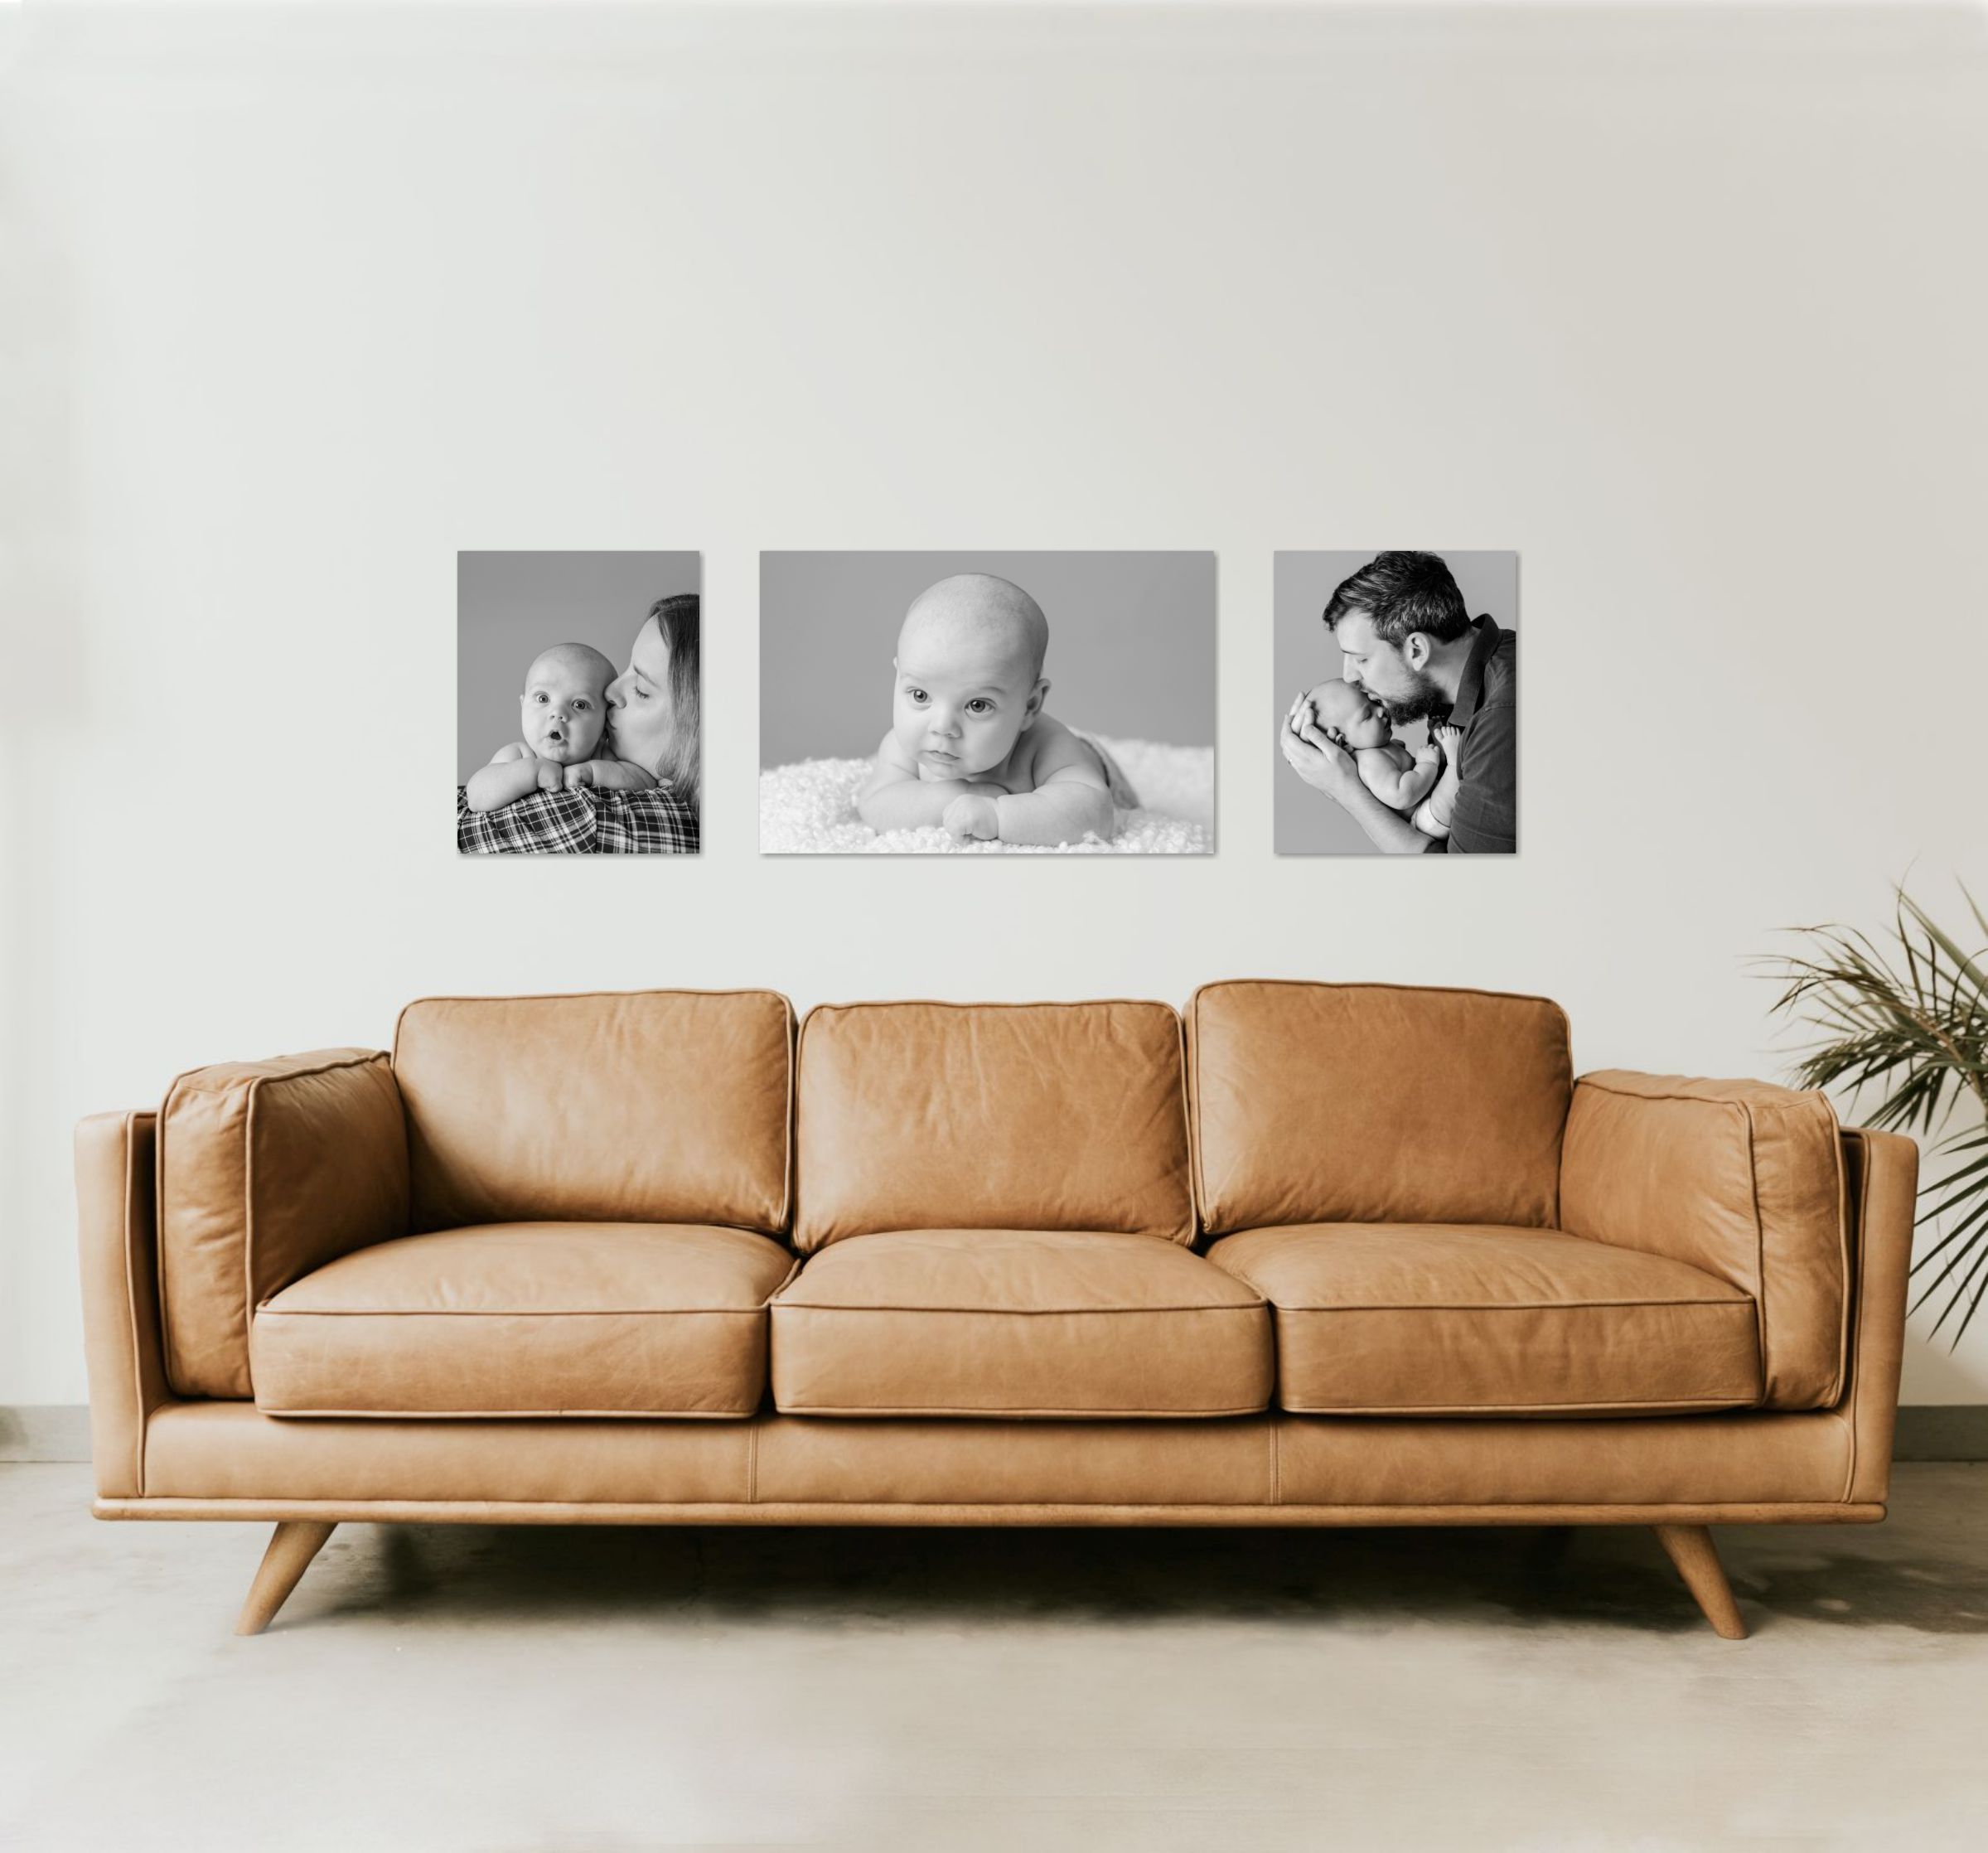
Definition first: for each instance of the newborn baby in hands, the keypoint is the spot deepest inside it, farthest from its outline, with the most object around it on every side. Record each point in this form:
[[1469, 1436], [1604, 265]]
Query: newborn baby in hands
[[971, 748], [565, 714], [1420, 782]]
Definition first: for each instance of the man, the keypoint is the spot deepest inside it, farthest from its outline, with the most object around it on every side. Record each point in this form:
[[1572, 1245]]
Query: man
[[1407, 639]]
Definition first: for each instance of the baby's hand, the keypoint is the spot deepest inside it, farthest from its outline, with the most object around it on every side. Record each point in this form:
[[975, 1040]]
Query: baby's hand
[[969, 817], [578, 776], [551, 777], [1429, 753]]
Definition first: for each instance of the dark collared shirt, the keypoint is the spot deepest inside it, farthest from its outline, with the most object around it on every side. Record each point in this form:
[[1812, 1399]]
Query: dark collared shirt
[[1486, 819]]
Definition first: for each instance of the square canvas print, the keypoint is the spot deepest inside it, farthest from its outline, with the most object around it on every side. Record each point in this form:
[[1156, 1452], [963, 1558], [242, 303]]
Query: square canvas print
[[1396, 705], [986, 702], [578, 697]]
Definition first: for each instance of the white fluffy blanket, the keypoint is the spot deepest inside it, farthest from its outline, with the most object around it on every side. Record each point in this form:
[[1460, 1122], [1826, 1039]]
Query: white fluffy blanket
[[810, 806]]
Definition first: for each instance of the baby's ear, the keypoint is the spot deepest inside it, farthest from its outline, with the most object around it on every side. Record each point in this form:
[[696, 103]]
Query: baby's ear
[[1036, 699]]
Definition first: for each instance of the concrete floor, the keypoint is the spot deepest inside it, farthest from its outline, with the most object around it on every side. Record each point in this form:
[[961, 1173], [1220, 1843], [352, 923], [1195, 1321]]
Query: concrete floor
[[587, 1692]]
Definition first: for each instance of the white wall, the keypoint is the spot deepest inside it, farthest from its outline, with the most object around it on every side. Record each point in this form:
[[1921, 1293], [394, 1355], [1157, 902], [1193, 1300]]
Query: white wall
[[1685, 310]]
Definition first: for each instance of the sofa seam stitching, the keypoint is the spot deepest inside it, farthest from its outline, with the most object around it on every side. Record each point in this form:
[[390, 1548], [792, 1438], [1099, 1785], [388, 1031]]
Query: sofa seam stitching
[[1849, 1479], [1500, 1408], [1753, 1177], [248, 1306], [158, 1214], [1101, 1414], [267, 1310], [1503, 1306], [514, 1414], [1012, 1312], [131, 1303]]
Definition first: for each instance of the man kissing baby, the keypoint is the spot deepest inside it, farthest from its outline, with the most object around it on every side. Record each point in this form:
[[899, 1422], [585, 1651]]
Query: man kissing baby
[[1419, 782], [971, 748]]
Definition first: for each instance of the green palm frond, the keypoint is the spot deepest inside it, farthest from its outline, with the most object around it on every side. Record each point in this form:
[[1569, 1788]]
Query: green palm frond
[[1906, 1021]]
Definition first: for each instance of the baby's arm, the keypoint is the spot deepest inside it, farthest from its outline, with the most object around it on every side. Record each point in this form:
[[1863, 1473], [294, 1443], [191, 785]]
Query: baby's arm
[[1432, 818], [609, 775], [513, 773], [1401, 787], [895, 798], [1071, 798]]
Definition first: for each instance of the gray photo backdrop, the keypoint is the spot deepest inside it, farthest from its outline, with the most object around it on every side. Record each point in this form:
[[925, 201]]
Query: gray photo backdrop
[[1307, 823], [509, 607], [1131, 643]]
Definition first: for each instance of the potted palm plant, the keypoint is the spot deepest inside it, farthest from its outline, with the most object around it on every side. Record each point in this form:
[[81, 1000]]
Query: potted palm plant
[[1907, 1020]]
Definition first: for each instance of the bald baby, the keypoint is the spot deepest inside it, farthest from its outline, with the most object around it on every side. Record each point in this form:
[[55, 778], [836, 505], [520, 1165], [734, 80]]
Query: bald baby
[[565, 710], [971, 748]]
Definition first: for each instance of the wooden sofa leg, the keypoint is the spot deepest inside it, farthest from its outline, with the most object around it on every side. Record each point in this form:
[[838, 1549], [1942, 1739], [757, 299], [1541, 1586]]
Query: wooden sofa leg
[[296, 1542], [1690, 1548]]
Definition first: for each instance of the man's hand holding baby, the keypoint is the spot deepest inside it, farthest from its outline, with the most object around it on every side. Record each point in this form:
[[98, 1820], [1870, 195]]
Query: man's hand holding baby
[[1316, 754]]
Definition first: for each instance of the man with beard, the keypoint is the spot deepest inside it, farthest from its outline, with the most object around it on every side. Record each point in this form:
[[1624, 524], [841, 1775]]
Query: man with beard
[[1409, 640]]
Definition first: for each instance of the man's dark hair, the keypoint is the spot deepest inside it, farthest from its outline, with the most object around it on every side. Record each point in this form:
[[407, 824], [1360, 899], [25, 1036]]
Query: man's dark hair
[[1400, 593]]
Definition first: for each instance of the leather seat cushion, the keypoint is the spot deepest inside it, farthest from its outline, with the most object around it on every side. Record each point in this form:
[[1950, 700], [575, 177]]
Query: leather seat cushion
[[1476, 1319], [526, 1318], [1017, 1322]]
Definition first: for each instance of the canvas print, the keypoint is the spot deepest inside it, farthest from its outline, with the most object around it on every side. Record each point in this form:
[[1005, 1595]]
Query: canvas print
[[989, 703], [1396, 705], [578, 698]]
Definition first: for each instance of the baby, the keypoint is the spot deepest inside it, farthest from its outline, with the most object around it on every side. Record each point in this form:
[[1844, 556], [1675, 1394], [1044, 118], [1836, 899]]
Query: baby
[[565, 710], [1418, 782], [971, 748]]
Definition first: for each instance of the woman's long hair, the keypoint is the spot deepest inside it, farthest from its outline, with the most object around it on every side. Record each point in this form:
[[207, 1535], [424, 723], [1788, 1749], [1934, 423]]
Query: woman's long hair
[[678, 618]]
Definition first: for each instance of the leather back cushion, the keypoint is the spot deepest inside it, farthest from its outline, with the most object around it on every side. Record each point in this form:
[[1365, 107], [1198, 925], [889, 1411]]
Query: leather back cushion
[[1375, 1103], [266, 1170], [1741, 1179], [632, 1106], [991, 1116]]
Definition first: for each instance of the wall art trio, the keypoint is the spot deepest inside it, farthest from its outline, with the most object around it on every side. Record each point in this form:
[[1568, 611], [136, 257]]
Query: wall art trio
[[986, 702]]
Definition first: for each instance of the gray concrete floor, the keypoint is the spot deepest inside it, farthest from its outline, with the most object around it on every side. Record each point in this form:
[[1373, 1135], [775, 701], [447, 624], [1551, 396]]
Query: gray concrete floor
[[438, 1687]]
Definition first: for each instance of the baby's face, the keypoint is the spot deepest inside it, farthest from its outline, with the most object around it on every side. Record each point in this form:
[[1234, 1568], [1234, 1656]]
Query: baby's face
[[1362, 721], [965, 691], [564, 705]]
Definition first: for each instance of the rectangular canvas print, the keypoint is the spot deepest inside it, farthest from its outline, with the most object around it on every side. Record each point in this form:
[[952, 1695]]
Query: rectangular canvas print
[[578, 697], [1396, 706], [986, 702]]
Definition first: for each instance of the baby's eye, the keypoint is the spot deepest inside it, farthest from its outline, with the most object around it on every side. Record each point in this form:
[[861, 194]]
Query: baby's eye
[[539, 697], [581, 703], [979, 705], [917, 697]]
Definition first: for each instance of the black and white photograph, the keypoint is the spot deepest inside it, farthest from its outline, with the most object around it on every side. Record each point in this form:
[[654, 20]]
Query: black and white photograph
[[1396, 712], [986, 702], [578, 698]]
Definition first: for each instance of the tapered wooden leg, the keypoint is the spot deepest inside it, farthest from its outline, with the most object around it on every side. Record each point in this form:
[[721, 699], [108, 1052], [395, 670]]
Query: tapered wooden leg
[[1689, 1547], [296, 1542]]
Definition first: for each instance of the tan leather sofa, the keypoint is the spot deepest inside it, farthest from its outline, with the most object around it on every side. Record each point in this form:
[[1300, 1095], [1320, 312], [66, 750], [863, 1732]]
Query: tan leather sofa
[[1312, 1255]]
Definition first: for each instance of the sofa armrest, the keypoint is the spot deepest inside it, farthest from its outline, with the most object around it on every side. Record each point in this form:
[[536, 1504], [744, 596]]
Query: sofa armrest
[[118, 1235], [267, 1170], [1741, 1179], [1883, 1169]]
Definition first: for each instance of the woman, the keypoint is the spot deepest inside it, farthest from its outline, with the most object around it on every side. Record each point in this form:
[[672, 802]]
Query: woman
[[654, 715], [654, 721]]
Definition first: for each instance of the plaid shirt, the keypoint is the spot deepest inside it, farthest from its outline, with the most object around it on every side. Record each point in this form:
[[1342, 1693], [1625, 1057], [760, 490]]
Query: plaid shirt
[[584, 822]]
